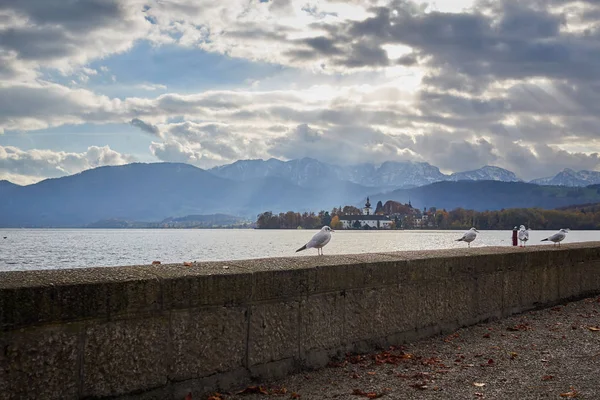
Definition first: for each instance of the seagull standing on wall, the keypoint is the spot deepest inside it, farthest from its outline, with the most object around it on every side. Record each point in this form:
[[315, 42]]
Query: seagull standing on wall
[[319, 240], [557, 237], [469, 236], [523, 235]]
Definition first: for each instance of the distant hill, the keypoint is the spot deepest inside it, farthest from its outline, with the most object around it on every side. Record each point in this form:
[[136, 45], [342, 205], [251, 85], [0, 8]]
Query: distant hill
[[153, 192], [189, 221], [491, 195], [487, 173], [569, 177]]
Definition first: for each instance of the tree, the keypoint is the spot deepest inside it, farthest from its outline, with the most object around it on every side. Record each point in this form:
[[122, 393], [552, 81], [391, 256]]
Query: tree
[[379, 208], [351, 210], [356, 224], [325, 218], [336, 223]]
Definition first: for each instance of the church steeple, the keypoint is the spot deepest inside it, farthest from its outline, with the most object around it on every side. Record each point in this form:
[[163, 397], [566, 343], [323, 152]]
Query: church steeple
[[367, 209]]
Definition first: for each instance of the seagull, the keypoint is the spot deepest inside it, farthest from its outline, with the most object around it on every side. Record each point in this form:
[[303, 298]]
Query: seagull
[[558, 236], [469, 236], [523, 235], [319, 240]]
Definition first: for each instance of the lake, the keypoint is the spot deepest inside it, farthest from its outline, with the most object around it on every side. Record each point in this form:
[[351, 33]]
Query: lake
[[31, 249]]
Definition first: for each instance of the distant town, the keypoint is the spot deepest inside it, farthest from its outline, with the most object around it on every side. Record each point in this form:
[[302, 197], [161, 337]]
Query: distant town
[[396, 215]]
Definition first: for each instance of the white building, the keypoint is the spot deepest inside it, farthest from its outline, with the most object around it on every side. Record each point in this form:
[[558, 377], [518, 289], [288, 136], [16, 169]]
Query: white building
[[366, 219]]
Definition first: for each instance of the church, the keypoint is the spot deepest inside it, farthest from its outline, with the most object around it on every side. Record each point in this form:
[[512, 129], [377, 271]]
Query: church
[[366, 219]]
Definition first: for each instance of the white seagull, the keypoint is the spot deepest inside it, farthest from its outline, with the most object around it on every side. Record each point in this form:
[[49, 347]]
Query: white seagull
[[319, 240], [523, 235], [558, 236], [469, 236]]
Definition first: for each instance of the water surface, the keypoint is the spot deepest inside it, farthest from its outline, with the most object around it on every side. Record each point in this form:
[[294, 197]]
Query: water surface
[[28, 249]]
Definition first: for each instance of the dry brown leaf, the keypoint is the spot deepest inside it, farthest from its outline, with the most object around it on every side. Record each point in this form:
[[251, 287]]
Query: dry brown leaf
[[294, 395], [155, 262], [570, 394], [477, 384], [593, 328], [547, 377], [253, 390], [187, 263]]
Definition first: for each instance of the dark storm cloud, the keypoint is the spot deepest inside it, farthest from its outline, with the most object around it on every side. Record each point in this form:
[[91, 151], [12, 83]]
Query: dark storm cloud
[[148, 128], [81, 15]]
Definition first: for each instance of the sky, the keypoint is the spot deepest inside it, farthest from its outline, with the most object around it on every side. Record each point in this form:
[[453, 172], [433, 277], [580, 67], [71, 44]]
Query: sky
[[459, 83]]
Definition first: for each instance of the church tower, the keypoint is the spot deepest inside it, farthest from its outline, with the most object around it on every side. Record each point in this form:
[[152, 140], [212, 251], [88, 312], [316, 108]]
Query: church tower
[[367, 209]]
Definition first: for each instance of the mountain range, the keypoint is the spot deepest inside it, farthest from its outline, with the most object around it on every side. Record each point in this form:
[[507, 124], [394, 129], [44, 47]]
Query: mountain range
[[389, 175], [153, 192]]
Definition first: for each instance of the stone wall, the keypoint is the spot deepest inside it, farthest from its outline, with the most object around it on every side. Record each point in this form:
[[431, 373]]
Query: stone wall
[[162, 331]]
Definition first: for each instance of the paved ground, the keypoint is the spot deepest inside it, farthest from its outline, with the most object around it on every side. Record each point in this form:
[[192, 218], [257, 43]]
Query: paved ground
[[547, 354]]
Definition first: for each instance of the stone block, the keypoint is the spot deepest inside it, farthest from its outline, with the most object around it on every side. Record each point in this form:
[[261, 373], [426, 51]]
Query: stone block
[[125, 356], [40, 363], [274, 332], [207, 341], [135, 297], [203, 284], [322, 321], [358, 275], [460, 300], [590, 277], [371, 314], [489, 294], [532, 286], [26, 306], [569, 281]]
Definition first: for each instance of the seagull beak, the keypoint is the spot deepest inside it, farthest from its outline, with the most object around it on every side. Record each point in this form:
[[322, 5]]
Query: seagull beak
[[332, 230], [476, 231]]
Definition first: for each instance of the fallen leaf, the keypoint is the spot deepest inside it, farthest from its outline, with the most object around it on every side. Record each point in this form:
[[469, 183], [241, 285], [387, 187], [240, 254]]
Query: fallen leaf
[[477, 384], [294, 395], [187, 264], [279, 391], [487, 336], [253, 390], [556, 308], [593, 328], [571, 394], [478, 394], [371, 373], [513, 355], [189, 396], [355, 376], [370, 395], [155, 262], [547, 377], [216, 396]]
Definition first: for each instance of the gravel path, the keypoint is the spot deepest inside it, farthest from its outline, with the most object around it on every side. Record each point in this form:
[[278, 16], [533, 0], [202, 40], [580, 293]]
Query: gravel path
[[546, 354]]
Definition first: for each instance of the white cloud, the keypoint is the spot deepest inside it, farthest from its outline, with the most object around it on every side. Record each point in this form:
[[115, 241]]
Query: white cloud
[[29, 166]]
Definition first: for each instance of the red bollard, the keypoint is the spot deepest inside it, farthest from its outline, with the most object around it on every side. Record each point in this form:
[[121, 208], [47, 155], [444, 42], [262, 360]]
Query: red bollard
[[515, 236]]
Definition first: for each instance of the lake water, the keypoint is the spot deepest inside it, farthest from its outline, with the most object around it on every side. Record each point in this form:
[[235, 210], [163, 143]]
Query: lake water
[[29, 249]]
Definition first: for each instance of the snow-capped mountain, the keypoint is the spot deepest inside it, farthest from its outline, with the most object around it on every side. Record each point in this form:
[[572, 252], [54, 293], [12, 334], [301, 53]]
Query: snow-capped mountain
[[569, 177], [308, 171], [487, 173]]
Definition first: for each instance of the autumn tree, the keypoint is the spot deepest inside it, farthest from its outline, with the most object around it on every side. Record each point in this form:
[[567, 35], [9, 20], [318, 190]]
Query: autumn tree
[[336, 223]]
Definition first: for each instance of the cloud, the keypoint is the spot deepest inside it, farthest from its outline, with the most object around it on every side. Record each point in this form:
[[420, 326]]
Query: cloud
[[501, 83], [30, 166], [148, 128]]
